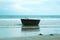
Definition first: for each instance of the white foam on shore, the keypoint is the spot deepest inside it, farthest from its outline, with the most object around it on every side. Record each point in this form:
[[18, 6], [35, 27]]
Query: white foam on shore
[[16, 22]]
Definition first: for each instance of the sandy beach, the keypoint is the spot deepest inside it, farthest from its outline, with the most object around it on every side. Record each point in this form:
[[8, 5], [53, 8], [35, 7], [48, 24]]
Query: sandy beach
[[10, 29]]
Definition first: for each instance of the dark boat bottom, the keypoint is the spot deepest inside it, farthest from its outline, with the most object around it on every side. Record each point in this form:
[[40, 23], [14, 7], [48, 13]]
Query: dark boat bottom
[[30, 25], [30, 22]]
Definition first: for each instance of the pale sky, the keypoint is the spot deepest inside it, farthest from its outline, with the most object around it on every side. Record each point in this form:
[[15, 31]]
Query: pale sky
[[29, 7]]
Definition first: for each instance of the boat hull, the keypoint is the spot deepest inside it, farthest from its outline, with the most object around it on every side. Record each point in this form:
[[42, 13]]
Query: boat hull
[[30, 22]]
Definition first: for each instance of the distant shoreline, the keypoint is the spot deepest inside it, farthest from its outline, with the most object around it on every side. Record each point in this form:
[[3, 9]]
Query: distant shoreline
[[29, 16]]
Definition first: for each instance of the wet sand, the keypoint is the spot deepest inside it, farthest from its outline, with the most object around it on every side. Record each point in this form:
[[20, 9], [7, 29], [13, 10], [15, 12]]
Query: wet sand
[[36, 37]]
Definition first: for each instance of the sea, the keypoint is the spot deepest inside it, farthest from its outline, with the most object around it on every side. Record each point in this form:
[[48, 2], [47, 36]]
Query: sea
[[10, 27]]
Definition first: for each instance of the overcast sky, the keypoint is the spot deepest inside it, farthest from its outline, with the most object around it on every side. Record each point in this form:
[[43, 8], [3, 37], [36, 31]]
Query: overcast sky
[[29, 7]]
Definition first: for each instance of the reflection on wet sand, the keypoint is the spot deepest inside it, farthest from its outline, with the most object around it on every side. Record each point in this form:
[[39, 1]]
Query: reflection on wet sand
[[30, 28]]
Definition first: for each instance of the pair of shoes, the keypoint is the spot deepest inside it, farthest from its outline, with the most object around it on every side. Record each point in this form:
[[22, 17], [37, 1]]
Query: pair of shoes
[[40, 34], [51, 34]]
